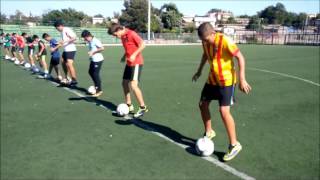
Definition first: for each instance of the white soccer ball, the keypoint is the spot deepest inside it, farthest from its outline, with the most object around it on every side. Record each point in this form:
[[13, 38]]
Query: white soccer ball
[[16, 62], [92, 90], [27, 65], [36, 70], [204, 146], [122, 109]]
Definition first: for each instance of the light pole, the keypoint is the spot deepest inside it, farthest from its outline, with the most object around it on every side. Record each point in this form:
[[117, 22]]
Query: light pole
[[149, 19]]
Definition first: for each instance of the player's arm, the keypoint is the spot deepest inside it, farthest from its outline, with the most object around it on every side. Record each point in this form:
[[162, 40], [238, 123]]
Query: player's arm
[[100, 48], [201, 65], [141, 46], [244, 86], [123, 58], [42, 47], [58, 45]]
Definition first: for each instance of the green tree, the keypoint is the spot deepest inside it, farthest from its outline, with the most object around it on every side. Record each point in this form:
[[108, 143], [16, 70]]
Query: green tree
[[231, 20], [135, 15], [254, 23], [155, 24], [70, 16], [170, 16], [190, 27], [3, 18]]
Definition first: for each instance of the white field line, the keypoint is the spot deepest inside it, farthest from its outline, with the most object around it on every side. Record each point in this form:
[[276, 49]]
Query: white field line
[[153, 131], [285, 75]]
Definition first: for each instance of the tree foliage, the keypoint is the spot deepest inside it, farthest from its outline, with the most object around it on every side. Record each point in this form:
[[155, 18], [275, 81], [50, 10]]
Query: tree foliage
[[70, 16]]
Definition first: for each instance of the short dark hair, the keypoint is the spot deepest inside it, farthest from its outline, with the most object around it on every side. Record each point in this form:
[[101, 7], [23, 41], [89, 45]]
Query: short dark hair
[[86, 33], [45, 35], [2, 34], [58, 23], [14, 34], [205, 29], [23, 34], [35, 37], [114, 28]]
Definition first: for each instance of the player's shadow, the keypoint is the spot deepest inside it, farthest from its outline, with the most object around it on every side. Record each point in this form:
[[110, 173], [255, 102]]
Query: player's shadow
[[107, 104], [169, 133]]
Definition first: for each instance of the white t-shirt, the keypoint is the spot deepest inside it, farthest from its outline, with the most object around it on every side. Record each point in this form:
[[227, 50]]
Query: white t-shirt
[[94, 44], [66, 35]]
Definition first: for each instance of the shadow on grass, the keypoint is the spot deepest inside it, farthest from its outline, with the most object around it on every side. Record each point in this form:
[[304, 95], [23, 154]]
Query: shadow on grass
[[109, 105], [168, 133]]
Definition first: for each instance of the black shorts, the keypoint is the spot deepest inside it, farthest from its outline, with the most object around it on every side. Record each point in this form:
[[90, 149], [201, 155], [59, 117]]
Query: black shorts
[[13, 49], [30, 51], [132, 73], [225, 95], [7, 47], [55, 61], [68, 55], [20, 50]]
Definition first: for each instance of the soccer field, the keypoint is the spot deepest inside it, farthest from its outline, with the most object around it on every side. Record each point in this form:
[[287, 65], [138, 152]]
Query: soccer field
[[50, 132]]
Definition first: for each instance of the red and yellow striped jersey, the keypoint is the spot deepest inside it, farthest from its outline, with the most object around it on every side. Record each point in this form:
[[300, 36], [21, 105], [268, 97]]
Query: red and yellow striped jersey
[[220, 57]]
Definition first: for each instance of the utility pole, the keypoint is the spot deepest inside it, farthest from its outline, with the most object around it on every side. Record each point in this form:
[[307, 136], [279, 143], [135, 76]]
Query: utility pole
[[149, 19]]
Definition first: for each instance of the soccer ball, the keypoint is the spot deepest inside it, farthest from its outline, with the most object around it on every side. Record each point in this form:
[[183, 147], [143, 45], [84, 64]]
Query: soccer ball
[[35, 70], [204, 146], [92, 90], [27, 65], [16, 62], [122, 109]]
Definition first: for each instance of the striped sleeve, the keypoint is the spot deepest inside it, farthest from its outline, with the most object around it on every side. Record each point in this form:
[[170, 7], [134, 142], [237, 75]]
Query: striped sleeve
[[232, 47]]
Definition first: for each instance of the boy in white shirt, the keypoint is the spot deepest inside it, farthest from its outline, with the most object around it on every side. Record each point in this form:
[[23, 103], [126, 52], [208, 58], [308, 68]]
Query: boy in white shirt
[[68, 39], [96, 59]]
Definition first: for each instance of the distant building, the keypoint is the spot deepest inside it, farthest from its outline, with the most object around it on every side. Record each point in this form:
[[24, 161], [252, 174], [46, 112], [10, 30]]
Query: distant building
[[243, 21], [96, 20], [198, 20]]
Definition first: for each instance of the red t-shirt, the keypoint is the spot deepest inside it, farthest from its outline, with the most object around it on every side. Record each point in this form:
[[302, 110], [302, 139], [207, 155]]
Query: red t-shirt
[[131, 41], [20, 41]]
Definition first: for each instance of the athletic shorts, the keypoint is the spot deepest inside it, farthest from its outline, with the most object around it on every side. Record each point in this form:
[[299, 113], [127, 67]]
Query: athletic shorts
[[20, 50], [132, 73], [225, 94], [30, 51], [7, 47], [42, 57], [13, 49], [55, 61], [68, 55]]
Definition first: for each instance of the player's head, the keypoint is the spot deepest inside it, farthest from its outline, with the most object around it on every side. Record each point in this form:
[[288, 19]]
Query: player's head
[[116, 30], [24, 35], [206, 32], [46, 36], [14, 34], [58, 24], [2, 34], [8, 34], [86, 35], [35, 38]]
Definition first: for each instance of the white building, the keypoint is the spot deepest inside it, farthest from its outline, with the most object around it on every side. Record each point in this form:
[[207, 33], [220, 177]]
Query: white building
[[198, 20], [96, 20]]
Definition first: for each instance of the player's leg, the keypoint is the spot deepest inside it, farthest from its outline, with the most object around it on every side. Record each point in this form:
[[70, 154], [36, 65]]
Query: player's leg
[[44, 65], [21, 57], [226, 100], [13, 53], [96, 66], [126, 88], [30, 57], [135, 77], [207, 95]]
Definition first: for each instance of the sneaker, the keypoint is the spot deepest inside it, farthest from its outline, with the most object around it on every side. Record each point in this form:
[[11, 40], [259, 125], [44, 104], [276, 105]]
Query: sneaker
[[210, 134], [73, 83], [232, 152], [141, 112], [97, 94], [131, 109]]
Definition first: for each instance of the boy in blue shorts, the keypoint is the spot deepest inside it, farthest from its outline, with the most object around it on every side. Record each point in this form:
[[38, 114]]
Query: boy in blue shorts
[[55, 55]]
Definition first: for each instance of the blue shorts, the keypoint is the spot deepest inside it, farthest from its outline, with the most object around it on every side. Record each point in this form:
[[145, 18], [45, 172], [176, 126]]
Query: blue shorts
[[55, 61], [224, 94]]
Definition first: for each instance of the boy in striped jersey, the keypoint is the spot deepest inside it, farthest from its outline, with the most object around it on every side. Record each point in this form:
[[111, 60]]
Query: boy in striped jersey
[[219, 51]]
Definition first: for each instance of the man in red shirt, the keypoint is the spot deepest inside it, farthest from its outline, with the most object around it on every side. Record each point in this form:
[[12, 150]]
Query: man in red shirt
[[21, 44], [133, 45]]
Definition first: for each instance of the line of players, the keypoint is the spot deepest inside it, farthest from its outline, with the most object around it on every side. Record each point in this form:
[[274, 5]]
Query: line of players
[[218, 50]]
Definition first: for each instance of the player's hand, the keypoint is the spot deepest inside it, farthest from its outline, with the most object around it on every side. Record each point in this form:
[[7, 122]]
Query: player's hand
[[196, 76], [123, 59], [61, 42], [90, 53], [132, 58], [244, 86]]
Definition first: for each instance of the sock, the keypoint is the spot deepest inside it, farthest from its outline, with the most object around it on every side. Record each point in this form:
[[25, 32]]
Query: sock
[[46, 71]]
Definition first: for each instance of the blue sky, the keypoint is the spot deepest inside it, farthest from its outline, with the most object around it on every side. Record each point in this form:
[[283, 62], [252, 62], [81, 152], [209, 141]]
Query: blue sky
[[106, 8]]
